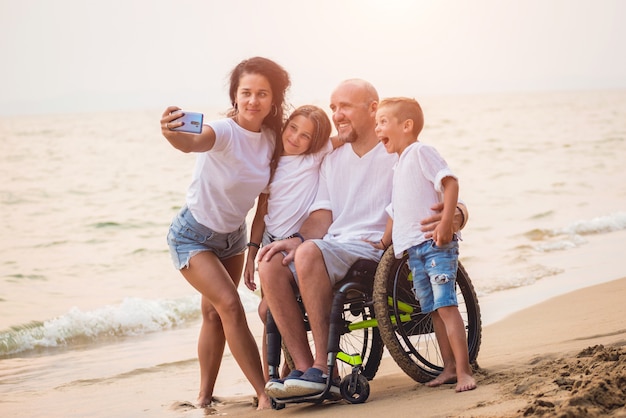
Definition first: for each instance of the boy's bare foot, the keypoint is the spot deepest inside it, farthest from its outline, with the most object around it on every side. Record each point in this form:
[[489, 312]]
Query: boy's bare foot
[[263, 402], [442, 379], [466, 383]]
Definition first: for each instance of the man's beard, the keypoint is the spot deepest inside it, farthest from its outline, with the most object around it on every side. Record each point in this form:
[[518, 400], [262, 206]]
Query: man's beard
[[351, 137]]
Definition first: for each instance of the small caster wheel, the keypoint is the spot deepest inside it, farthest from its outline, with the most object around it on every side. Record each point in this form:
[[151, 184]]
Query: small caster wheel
[[275, 405], [355, 392]]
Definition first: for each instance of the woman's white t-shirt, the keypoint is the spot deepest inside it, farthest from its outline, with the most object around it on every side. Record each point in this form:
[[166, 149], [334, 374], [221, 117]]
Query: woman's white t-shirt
[[228, 178]]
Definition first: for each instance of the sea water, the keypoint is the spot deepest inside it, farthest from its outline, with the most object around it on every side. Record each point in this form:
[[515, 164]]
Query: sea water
[[86, 200]]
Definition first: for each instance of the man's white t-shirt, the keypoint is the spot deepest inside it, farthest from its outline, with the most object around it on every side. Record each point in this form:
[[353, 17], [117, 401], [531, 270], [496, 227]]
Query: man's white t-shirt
[[228, 178], [356, 190]]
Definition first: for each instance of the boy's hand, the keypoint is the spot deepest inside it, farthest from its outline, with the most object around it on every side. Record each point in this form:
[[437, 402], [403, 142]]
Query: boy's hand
[[443, 234]]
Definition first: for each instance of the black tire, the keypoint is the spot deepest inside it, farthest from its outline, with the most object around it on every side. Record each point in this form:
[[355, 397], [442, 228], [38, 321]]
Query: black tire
[[413, 344], [357, 393]]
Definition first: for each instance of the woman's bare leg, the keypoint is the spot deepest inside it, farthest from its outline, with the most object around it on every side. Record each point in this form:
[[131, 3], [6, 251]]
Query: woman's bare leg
[[210, 351], [217, 282]]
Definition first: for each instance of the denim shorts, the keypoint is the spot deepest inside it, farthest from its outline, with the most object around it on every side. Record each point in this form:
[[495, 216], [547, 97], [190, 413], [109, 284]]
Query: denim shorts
[[434, 274], [187, 238]]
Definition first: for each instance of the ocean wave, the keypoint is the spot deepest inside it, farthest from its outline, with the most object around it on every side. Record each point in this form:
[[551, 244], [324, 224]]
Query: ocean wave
[[526, 276], [572, 235], [132, 317]]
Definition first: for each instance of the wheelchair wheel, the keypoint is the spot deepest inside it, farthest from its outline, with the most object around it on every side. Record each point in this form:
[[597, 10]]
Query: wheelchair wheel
[[411, 342], [364, 341], [356, 392]]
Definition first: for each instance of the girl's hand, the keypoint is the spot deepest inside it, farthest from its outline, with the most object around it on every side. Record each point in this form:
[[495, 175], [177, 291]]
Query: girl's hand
[[248, 273]]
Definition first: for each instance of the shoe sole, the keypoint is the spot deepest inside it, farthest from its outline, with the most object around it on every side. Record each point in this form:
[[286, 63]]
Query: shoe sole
[[275, 390], [303, 388]]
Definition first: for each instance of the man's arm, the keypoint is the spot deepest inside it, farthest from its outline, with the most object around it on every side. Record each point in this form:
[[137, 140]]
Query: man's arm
[[317, 224]]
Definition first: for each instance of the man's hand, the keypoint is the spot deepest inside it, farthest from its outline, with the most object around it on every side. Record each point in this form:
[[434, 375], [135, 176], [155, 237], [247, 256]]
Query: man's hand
[[429, 224], [288, 245]]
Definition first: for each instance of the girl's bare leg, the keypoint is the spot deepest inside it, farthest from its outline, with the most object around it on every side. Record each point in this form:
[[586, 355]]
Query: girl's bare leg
[[262, 310]]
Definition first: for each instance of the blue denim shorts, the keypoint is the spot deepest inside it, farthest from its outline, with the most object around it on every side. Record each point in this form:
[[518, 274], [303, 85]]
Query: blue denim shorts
[[187, 238], [434, 274]]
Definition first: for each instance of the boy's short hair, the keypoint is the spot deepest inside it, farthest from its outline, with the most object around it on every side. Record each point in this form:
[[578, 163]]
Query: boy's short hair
[[405, 108]]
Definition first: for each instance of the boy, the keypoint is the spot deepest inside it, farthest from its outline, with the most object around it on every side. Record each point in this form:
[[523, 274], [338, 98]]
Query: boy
[[420, 177]]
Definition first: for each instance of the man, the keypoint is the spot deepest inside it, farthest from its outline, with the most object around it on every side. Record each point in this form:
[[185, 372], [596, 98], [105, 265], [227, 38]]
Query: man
[[349, 213]]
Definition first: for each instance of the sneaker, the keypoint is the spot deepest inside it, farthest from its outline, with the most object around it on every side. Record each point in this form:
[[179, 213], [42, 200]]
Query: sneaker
[[275, 388], [311, 382]]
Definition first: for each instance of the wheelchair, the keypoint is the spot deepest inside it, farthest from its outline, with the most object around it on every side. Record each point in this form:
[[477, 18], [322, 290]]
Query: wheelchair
[[374, 306]]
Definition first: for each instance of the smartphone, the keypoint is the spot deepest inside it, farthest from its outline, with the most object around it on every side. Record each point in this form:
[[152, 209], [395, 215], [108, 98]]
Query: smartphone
[[192, 122]]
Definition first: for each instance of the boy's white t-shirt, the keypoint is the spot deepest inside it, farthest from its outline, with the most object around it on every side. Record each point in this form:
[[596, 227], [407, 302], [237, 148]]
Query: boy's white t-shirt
[[356, 190], [292, 191], [416, 188], [228, 178]]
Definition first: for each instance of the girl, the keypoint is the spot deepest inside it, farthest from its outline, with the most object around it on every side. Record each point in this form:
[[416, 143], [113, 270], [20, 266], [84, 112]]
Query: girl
[[284, 206], [207, 238]]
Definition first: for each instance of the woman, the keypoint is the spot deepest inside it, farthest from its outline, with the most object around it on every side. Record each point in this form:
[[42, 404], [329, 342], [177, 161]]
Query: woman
[[208, 237]]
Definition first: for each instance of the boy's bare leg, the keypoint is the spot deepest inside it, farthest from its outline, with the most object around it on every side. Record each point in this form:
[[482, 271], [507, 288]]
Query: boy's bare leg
[[456, 340], [448, 375]]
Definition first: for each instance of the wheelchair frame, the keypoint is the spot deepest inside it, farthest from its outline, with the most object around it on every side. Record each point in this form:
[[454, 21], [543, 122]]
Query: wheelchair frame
[[381, 294]]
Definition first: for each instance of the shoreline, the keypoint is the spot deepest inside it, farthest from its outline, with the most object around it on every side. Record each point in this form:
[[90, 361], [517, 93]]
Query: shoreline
[[521, 358]]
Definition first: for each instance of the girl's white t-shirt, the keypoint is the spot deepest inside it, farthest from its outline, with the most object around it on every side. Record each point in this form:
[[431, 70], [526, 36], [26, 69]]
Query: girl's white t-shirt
[[227, 179], [292, 191], [416, 188]]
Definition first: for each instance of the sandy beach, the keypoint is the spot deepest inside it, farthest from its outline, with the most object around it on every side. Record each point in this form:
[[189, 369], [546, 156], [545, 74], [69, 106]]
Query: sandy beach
[[562, 357]]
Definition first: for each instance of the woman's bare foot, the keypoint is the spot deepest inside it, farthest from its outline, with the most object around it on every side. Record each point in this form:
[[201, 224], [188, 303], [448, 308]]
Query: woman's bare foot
[[442, 379], [263, 402], [465, 383], [204, 401]]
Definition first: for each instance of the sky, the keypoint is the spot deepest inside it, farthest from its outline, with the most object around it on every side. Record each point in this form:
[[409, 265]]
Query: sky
[[100, 55]]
